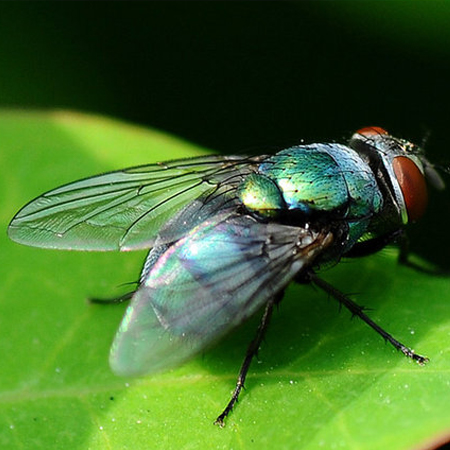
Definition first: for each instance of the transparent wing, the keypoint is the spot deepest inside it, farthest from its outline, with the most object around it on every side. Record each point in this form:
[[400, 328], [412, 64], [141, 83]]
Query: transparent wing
[[123, 209], [204, 285]]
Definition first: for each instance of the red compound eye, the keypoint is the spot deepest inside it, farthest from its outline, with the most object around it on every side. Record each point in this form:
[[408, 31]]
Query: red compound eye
[[413, 186], [371, 131]]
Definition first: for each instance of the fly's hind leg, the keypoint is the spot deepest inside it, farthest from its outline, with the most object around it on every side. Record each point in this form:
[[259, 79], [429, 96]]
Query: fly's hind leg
[[357, 310], [112, 301], [252, 351]]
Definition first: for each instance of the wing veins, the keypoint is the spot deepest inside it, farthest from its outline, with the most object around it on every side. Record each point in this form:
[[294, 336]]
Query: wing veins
[[99, 195], [148, 211], [274, 263], [137, 185]]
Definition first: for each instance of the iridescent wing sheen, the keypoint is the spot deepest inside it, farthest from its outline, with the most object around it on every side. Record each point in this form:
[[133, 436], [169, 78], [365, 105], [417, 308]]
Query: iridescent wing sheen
[[205, 284], [123, 209]]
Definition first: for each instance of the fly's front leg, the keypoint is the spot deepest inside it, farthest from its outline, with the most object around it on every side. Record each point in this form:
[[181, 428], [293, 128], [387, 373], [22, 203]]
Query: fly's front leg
[[357, 310], [252, 351]]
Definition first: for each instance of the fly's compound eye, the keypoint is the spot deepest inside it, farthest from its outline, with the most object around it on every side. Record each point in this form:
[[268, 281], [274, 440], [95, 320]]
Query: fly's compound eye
[[371, 131], [368, 137], [412, 184]]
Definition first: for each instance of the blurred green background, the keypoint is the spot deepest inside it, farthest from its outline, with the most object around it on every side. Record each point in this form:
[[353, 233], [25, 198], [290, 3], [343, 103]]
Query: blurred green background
[[242, 76]]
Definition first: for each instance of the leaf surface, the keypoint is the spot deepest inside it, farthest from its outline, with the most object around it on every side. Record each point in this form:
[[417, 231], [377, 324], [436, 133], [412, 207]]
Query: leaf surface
[[322, 380]]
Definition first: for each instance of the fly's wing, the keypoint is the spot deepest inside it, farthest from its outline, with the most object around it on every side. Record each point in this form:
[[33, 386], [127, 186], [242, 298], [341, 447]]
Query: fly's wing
[[123, 209], [204, 285]]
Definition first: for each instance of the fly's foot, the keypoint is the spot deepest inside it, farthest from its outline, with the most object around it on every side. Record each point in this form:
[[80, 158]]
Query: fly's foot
[[422, 360]]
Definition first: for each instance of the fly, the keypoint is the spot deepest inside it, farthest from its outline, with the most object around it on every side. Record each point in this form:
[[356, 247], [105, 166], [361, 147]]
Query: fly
[[228, 234]]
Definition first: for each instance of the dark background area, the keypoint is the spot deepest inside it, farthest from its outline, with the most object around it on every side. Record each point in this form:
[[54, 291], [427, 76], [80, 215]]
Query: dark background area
[[243, 76]]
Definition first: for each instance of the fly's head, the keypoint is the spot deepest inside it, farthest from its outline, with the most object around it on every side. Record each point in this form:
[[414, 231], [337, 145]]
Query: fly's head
[[401, 170]]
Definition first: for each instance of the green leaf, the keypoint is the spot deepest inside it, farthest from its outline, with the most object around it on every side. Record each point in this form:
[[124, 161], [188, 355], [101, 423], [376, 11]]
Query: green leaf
[[322, 381]]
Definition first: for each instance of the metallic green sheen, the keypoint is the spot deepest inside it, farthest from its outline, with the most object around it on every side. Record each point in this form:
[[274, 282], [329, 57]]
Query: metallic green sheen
[[365, 198], [325, 177], [309, 180], [259, 193]]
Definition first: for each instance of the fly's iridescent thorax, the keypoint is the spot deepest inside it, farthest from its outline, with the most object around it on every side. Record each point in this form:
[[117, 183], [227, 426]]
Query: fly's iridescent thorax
[[316, 180], [313, 178], [401, 171]]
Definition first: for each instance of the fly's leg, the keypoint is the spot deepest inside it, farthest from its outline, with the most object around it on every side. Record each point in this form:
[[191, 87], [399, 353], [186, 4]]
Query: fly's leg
[[357, 310], [113, 301], [252, 350]]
